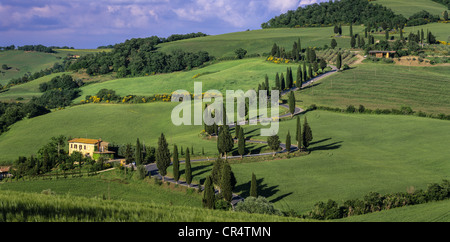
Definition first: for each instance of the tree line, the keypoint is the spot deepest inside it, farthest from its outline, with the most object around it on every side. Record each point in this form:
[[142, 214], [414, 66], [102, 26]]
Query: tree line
[[139, 57], [171, 38], [375, 202]]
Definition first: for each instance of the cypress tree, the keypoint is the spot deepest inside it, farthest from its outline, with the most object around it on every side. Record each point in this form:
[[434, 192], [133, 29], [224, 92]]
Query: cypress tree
[[241, 143], [298, 136], [292, 103], [277, 82], [299, 81], [305, 78], [266, 81], [295, 51], [291, 77], [333, 43], [227, 191], [339, 61], [225, 141], [288, 142], [274, 143], [216, 172], [310, 71], [274, 49], [323, 64], [307, 134], [288, 79], [162, 156], [283, 82], [353, 42], [187, 169], [253, 187], [209, 194], [237, 129], [138, 153], [176, 164]]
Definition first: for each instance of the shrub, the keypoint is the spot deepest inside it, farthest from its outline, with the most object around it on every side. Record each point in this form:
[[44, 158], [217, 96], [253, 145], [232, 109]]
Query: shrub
[[351, 109], [258, 205], [325, 211], [142, 172]]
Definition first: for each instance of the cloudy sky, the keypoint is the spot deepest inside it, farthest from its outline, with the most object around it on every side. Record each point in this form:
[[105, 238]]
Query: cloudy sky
[[89, 24]]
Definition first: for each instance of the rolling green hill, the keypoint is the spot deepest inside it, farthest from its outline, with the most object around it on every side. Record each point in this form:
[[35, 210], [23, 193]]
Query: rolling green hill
[[408, 8], [242, 74], [261, 41], [27, 90], [352, 155], [21, 62], [383, 86], [25, 207]]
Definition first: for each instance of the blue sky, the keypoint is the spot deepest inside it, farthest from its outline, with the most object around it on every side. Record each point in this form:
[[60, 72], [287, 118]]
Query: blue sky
[[89, 24]]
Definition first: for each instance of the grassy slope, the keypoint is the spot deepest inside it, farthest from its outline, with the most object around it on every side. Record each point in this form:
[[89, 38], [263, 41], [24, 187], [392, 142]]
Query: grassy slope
[[383, 86], [70, 208], [25, 62], [408, 8], [352, 156], [27, 90], [115, 123], [261, 41], [243, 75], [114, 185], [440, 30]]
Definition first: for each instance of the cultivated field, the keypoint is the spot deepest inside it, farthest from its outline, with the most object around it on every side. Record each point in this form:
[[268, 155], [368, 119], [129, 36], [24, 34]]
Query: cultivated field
[[243, 75], [383, 86], [352, 155], [408, 8], [261, 41]]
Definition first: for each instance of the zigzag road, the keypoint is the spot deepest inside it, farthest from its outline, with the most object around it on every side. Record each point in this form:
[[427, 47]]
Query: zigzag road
[[153, 170]]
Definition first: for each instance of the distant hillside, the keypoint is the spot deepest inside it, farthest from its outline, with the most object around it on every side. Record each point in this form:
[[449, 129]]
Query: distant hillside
[[408, 8], [330, 13], [377, 13]]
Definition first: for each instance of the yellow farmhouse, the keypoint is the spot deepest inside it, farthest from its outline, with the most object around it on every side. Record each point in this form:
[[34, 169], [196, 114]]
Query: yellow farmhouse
[[93, 148]]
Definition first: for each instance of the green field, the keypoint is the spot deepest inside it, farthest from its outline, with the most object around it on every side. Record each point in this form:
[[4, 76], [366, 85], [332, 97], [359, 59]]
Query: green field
[[25, 207], [115, 123], [243, 75], [440, 30], [261, 41], [113, 185], [21, 62], [408, 8], [27, 90], [352, 155], [383, 86]]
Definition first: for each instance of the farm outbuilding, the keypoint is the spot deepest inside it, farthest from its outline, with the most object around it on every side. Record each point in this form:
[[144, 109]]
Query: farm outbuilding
[[381, 53]]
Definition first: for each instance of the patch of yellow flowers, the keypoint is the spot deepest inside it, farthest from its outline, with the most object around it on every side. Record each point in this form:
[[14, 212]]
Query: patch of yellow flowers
[[277, 60]]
